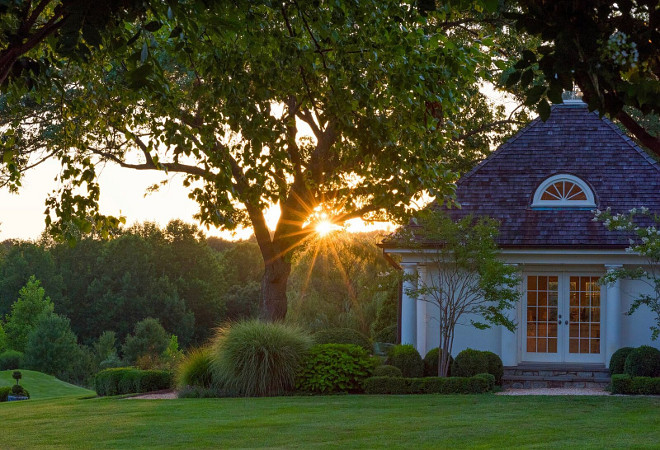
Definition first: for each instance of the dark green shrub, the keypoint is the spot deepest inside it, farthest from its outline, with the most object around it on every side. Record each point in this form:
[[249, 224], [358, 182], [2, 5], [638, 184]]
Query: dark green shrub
[[430, 385], [387, 371], [52, 347], [19, 390], [155, 380], [11, 360], [195, 369], [643, 361], [4, 393], [470, 362], [127, 380], [256, 358], [625, 384], [495, 366], [618, 360], [490, 379], [407, 359], [342, 336], [386, 385], [331, 368], [431, 363]]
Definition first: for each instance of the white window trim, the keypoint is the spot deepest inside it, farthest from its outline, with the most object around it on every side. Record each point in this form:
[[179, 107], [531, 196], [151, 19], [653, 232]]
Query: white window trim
[[589, 202]]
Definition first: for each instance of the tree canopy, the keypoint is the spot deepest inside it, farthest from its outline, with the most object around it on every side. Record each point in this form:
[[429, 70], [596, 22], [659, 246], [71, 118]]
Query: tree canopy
[[223, 96]]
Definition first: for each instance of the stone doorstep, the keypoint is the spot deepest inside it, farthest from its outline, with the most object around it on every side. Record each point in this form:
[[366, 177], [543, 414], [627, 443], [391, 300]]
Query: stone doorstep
[[528, 384], [562, 378]]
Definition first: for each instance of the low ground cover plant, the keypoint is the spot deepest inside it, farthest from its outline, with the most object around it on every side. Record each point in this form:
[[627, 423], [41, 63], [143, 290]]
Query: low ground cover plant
[[127, 380], [333, 368]]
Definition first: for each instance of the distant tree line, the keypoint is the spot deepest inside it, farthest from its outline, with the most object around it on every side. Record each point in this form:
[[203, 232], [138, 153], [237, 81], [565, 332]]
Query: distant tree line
[[192, 284]]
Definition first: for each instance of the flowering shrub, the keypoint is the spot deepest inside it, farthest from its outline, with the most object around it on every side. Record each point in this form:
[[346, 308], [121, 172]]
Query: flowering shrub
[[644, 225]]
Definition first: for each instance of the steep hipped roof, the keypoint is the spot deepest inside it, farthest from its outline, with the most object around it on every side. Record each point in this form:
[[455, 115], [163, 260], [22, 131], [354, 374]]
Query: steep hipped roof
[[572, 141]]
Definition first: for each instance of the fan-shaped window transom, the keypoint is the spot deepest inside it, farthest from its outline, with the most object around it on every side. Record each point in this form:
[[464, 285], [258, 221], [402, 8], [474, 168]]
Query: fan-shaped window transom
[[563, 191]]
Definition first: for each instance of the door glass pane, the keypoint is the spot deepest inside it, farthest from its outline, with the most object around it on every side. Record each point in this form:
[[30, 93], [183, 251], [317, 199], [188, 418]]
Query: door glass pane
[[542, 298], [584, 329]]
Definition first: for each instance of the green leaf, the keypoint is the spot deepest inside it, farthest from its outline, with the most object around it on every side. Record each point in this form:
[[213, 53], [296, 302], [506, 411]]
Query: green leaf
[[544, 110], [153, 26]]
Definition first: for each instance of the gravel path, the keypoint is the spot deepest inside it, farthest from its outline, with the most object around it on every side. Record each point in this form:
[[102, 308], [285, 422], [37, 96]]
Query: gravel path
[[160, 395], [554, 391]]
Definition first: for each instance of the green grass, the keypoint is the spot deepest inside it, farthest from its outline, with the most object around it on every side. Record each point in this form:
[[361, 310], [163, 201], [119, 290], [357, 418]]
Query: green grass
[[336, 421], [42, 386]]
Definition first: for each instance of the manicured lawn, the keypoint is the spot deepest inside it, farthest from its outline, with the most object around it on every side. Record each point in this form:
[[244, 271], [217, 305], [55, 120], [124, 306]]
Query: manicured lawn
[[355, 421], [42, 386]]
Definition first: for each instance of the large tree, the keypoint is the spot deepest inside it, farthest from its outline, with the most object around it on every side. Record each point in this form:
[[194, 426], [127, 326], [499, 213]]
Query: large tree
[[223, 96], [608, 49]]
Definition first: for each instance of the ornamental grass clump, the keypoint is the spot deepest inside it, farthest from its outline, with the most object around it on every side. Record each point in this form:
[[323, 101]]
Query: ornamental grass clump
[[254, 358], [195, 369]]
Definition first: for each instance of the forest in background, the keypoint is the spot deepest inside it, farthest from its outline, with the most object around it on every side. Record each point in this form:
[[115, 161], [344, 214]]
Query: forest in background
[[193, 284]]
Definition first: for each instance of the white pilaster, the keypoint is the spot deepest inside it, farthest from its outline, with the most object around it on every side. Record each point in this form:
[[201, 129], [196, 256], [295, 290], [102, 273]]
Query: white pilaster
[[408, 306], [613, 316], [422, 317], [509, 341]]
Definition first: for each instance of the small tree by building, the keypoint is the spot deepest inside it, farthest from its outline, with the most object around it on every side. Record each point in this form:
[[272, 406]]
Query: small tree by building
[[471, 283], [645, 226]]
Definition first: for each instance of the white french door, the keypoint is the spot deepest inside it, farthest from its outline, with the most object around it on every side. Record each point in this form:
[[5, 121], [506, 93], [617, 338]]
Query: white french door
[[562, 318]]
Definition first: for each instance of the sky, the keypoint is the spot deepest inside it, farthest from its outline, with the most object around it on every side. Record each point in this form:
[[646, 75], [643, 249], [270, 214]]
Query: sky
[[123, 194]]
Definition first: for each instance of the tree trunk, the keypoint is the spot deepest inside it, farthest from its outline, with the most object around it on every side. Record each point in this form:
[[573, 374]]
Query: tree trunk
[[273, 290]]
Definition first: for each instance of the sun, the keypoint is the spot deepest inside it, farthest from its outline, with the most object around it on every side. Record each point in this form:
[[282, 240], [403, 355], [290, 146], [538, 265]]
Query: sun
[[325, 227]]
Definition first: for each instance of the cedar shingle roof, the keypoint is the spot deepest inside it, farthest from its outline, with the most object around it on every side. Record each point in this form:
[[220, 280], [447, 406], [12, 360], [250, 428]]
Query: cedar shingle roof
[[572, 141]]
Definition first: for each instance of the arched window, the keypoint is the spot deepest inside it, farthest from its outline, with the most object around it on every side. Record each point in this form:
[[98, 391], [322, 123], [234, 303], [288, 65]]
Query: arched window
[[563, 191]]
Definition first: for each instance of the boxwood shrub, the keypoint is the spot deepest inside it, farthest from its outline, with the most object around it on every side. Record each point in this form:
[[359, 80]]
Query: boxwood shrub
[[625, 384], [471, 362], [128, 380], [478, 384], [431, 363], [342, 336], [643, 361], [618, 360], [407, 359], [387, 371], [332, 368]]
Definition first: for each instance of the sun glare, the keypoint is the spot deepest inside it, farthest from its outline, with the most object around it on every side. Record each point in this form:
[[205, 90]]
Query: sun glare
[[325, 227]]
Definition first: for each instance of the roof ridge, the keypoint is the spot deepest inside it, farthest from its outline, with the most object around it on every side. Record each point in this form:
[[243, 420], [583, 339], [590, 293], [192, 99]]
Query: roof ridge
[[654, 163], [499, 149]]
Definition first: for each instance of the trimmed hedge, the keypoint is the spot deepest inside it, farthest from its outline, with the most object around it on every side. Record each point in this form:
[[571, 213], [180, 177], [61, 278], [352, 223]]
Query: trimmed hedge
[[342, 336], [387, 371], [495, 366], [625, 384], [331, 368], [407, 359], [127, 380], [618, 360], [478, 384], [643, 361], [431, 363], [11, 360]]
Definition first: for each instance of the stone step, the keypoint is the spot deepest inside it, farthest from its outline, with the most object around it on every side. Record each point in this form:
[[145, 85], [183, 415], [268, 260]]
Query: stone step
[[543, 375]]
